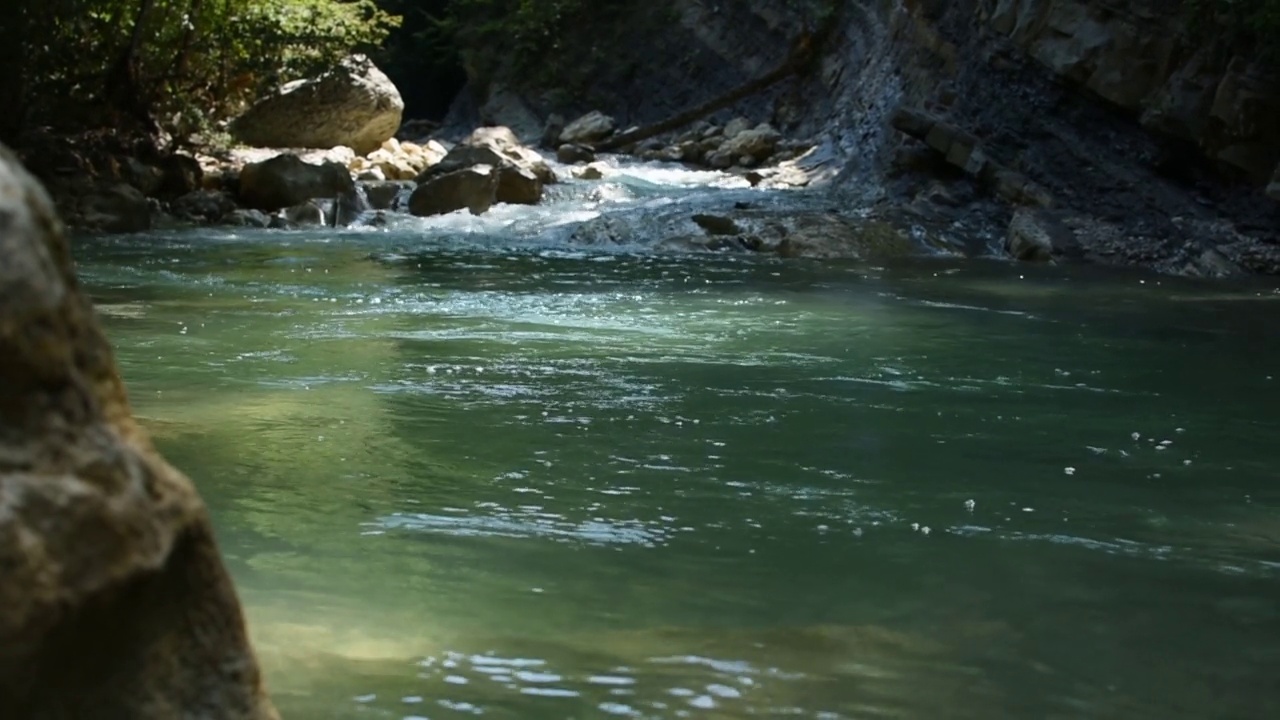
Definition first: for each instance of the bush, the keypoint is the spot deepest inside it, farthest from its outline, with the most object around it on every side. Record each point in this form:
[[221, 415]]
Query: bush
[[175, 65]]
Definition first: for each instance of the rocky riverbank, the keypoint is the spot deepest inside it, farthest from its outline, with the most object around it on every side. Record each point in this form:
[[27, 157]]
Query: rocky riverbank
[[1044, 130], [1131, 133]]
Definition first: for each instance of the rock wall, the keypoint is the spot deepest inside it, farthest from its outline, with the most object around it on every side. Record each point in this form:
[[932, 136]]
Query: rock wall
[[1153, 139], [116, 603]]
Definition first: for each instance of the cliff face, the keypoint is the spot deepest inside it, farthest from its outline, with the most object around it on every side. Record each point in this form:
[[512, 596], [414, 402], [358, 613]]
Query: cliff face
[[1151, 139]]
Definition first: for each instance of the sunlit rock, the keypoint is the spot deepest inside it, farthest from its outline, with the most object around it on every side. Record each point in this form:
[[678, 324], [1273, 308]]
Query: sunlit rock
[[116, 602], [518, 186], [589, 128], [354, 104]]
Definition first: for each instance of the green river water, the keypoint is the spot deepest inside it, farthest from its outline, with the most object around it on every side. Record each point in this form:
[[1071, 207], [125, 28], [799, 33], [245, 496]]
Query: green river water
[[461, 479]]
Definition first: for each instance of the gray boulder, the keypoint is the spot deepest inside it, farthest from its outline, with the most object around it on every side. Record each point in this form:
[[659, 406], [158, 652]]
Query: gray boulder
[[589, 128], [355, 104], [758, 143]]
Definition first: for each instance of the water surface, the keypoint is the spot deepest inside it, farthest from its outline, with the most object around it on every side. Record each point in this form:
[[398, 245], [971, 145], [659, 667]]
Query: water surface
[[462, 468]]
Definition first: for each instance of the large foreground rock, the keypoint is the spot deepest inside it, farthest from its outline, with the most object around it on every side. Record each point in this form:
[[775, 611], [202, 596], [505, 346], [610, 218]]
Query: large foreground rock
[[116, 603], [355, 105]]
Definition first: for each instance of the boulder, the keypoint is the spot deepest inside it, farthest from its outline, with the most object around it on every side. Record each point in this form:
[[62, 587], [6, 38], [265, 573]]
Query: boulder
[[589, 128], [247, 218], [116, 600], [462, 157], [307, 214], [112, 208], [591, 172], [146, 177], [734, 128], [507, 145], [1038, 236], [393, 166], [285, 181], [383, 195], [757, 143], [179, 175], [1027, 240], [518, 186], [520, 172], [354, 104], [717, 224], [203, 206], [832, 237], [473, 188], [571, 154]]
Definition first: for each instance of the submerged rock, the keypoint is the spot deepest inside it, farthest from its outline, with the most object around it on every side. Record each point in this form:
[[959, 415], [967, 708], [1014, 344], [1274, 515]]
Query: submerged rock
[[247, 218], [116, 602], [717, 224], [355, 104], [824, 236], [591, 172], [571, 154]]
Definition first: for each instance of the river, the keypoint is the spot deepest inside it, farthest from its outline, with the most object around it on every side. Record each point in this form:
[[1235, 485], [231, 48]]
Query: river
[[462, 467]]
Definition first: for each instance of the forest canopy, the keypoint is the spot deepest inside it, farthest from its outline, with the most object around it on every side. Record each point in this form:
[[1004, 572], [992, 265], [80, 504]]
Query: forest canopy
[[166, 64]]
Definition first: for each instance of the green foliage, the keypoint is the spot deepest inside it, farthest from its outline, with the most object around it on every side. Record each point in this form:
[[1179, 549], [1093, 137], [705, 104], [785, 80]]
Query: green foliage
[[75, 63]]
